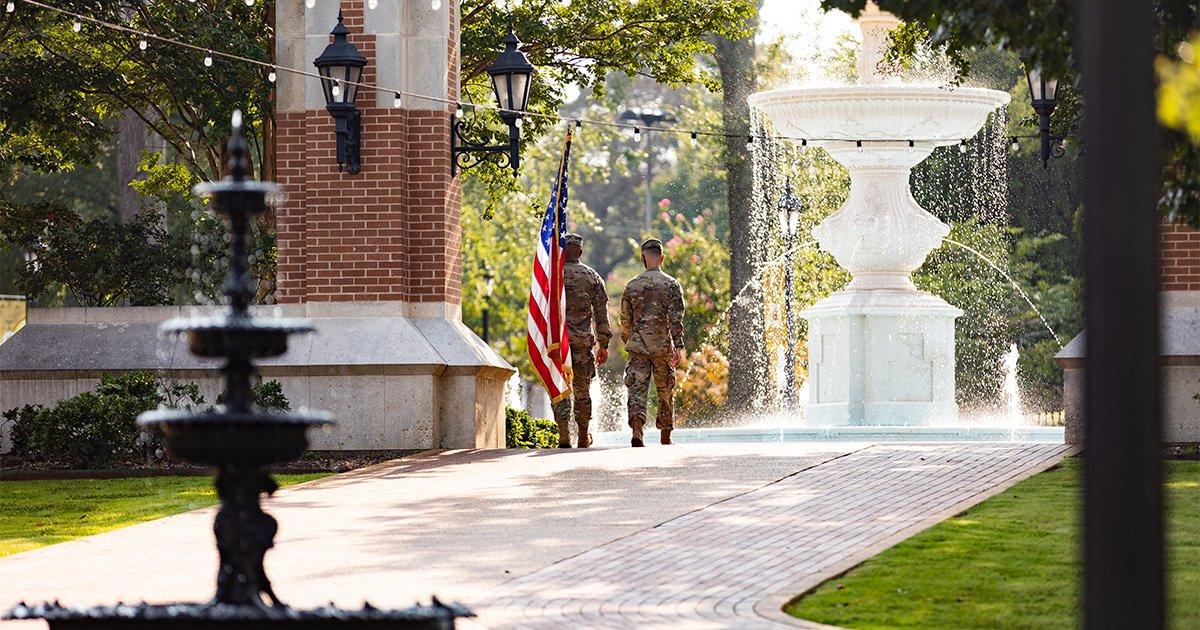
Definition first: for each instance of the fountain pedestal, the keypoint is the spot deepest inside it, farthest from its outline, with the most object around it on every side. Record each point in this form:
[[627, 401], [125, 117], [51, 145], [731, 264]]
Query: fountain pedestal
[[881, 352]]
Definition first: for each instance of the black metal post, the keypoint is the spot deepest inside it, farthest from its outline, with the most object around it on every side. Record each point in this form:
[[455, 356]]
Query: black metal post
[[1123, 562], [790, 323], [485, 324]]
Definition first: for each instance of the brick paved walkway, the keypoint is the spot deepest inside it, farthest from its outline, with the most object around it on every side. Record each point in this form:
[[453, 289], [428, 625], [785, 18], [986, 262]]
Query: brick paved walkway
[[737, 562], [714, 535]]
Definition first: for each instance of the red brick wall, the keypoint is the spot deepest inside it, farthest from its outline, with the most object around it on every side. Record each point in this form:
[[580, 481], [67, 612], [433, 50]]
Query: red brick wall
[[390, 232], [1179, 247]]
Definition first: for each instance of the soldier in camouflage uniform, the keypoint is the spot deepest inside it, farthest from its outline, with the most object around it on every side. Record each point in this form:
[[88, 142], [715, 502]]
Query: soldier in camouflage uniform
[[652, 329], [587, 306]]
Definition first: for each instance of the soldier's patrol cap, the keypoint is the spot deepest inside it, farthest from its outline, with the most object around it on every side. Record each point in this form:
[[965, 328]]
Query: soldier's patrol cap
[[573, 239], [652, 244]]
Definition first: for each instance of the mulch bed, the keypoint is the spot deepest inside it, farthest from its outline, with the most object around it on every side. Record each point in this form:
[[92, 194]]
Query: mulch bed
[[312, 462]]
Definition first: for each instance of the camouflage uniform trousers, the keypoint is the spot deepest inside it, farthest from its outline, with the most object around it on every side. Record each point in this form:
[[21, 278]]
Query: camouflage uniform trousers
[[638, 372], [583, 369]]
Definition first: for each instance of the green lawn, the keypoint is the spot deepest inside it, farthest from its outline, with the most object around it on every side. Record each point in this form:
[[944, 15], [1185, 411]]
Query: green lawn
[[38, 513], [1009, 562]]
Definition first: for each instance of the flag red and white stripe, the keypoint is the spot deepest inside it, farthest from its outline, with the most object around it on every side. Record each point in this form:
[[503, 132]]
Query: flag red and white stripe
[[549, 350]]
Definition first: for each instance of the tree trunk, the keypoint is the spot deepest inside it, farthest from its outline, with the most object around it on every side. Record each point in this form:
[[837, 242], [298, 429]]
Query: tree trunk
[[131, 140], [747, 367]]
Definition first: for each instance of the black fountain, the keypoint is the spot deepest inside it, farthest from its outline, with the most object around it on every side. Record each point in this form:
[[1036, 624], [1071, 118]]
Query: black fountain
[[239, 441]]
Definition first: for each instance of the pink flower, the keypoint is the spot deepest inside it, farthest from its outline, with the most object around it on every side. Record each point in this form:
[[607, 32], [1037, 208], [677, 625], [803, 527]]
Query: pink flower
[[698, 219], [664, 203], [665, 216], [679, 217], [674, 242]]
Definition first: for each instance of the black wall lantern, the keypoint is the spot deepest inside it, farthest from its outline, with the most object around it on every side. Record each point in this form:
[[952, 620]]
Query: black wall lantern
[[511, 75], [341, 67], [1043, 92]]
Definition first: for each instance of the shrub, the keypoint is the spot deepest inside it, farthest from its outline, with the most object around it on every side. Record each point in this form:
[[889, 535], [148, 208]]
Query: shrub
[[524, 431], [99, 428], [702, 388], [268, 396]]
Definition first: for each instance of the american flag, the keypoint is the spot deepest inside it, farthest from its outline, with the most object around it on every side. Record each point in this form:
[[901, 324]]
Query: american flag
[[549, 350]]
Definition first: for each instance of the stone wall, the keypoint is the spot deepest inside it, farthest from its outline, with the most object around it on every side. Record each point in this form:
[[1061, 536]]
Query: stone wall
[[391, 379]]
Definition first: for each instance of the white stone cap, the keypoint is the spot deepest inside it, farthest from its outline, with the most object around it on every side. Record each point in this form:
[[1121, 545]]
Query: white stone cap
[[1179, 331]]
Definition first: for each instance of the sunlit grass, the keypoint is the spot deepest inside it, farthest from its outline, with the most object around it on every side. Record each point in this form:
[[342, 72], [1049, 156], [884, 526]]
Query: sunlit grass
[[1009, 562], [38, 513]]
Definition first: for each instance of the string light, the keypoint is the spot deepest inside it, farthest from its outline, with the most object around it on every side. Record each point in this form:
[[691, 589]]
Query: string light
[[372, 4], [458, 111], [77, 25], [962, 146], [396, 102], [859, 142], [749, 143], [911, 144], [1014, 146], [336, 90], [578, 124], [519, 123], [435, 4], [637, 133]]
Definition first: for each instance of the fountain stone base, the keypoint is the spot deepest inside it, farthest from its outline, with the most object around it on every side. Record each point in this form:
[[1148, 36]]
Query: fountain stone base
[[881, 357]]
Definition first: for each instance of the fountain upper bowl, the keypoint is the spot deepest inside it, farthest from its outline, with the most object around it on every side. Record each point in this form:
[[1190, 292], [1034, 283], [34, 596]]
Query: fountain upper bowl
[[929, 115]]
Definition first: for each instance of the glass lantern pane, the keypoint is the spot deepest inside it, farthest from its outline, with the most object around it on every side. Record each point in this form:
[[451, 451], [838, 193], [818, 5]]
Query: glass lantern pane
[[1051, 89], [354, 76], [520, 83], [326, 84], [500, 85]]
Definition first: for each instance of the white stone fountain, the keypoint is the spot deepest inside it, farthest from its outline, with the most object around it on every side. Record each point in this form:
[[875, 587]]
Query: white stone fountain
[[881, 352]]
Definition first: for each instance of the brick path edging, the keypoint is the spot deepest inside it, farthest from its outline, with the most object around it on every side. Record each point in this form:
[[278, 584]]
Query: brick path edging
[[772, 607]]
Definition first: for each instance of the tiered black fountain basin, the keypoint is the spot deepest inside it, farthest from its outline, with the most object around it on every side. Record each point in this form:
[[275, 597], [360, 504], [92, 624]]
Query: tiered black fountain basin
[[239, 440]]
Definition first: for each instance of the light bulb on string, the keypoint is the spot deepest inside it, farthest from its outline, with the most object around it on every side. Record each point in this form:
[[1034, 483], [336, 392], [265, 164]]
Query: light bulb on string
[[859, 146], [458, 111], [336, 90], [372, 4], [396, 102], [207, 60], [749, 143], [143, 44], [694, 138], [519, 123], [249, 3], [271, 76], [10, 7], [435, 4], [1014, 146], [578, 124], [77, 26], [803, 144], [307, 3], [637, 134]]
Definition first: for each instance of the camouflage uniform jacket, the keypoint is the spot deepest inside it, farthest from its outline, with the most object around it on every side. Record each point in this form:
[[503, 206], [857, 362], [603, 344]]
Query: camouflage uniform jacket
[[587, 301], [652, 314]]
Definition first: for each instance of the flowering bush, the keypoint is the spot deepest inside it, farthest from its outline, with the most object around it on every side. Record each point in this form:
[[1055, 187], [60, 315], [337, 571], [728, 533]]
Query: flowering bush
[[702, 386]]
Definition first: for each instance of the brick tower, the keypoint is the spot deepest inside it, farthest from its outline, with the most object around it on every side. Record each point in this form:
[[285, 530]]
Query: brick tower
[[375, 255]]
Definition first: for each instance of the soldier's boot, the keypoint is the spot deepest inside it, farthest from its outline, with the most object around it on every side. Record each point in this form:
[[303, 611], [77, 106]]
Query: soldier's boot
[[585, 435], [664, 436], [637, 435], [564, 434]]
